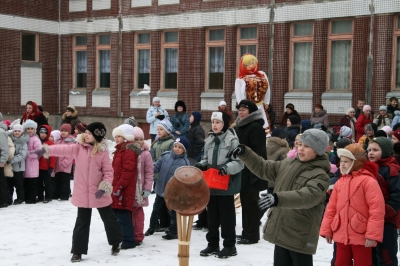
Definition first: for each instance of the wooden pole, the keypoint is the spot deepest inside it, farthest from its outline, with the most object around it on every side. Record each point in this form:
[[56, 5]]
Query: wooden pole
[[184, 234]]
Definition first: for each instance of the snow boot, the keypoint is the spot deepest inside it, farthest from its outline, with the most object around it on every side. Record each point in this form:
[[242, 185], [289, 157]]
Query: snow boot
[[209, 251], [226, 252], [76, 257], [115, 250]]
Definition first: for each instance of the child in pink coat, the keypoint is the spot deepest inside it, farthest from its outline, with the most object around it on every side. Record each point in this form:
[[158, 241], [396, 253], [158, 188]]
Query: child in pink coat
[[293, 152], [144, 183], [31, 162], [92, 187], [355, 213]]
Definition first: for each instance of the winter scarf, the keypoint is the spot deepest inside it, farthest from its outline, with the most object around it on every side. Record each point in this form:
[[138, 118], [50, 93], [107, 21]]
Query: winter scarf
[[390, 162]]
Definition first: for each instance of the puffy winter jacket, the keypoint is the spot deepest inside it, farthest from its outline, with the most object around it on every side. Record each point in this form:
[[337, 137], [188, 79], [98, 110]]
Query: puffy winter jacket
[[146, 173], [4, 151], [356, 209], [32, 160], [125, 171], [21, 150], [91, 173], [196, 138], [321, 117], [45, 164], [362, 120], [64, 163], [180, 122], [291, 133], [383, 121], [396, 118], [8, 170], [153, 120]]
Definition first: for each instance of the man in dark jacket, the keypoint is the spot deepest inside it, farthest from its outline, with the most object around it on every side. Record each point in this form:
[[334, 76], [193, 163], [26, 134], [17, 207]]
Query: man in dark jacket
[[250, 133]]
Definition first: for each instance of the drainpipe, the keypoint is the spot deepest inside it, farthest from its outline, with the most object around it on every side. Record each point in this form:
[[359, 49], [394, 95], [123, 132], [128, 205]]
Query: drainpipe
[[368, 89], [59, 58], [119, 57], [271, 46]]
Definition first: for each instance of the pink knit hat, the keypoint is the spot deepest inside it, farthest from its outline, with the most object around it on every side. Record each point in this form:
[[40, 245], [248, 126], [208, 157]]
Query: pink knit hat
[[138, 133], [366, 107]]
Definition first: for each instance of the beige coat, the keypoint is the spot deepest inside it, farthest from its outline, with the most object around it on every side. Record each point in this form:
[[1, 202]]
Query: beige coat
[[8, 170]]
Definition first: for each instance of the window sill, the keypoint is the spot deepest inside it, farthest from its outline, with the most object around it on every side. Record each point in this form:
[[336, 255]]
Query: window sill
[[31, 64], [80, 91], [209, 94]]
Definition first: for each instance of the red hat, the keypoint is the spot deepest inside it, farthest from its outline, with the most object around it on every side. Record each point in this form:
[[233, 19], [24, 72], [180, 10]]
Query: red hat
[[396, 134], [65, 127]]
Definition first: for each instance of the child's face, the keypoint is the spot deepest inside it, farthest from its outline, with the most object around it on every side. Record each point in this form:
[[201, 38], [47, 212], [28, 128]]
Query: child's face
[[88, 137], [156, 104], [179, 108], [222, 107], [288, 123], [43, 135], [305, 152], [288, 111], [30, 131], [217, 126], [296, 141], [367, 112], [395, 140], [64, 134], [191, 119], [140, 141], [119, 139], [374, 152], [345, 164], [369, 133], [394, 103], [161, 132], [17, 133], [51, 138], [382, 112], [178, 149], [76, 131], [68, 113]]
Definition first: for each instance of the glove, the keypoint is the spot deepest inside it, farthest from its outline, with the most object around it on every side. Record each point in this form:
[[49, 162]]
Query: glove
[[50, 170], [117, 193], [268, 201], [223, 171], [99, 194], [200, 166], [160, 117], [238, 151], [39, 152], [146, 194]]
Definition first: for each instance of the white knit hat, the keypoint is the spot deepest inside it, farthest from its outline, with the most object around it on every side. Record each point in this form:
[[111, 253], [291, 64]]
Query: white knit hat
[[125, 131], [346, 132], [56, 134], [222, 103], [217, 116], [17, 127]]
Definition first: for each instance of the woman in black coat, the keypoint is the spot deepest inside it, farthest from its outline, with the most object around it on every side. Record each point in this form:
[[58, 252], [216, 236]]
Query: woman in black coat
[[250, 131]]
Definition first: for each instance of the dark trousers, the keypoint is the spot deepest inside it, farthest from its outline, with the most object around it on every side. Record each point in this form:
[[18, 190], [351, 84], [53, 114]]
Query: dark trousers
[[286, 257], [18, 182], [203, 219], [155, 214], [62, 187], [3, 187], [172, 225], [80, 237], [250, 215], [221, 211], [164, 216], [10, 190], [385, 253], [44, 185], [124, 218], [30, 187]]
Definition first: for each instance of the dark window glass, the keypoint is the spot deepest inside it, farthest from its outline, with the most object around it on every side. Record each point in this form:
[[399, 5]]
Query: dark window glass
[[28, 47], [144, 38], [104, 68], [216, 67], [248, 49], [81, 40], [171, 68], [171, 36], [217, 35], [248, 33], [143, 67], [81, 69], [104, 39]]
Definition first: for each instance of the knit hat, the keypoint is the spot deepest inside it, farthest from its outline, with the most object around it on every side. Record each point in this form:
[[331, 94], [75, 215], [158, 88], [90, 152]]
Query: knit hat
[[279, 133], [317, 105], [345, 132], [387, 129], [385, 144], [138, 133], [343, 143], [56, 134], [380, 133], [369, 127], [156, 99], [383, 108], [316, 140], [29, 124], [130, 121], [196, 116], [65, 127], [354, 152], [184, 142], [248, 104], [166, 125], [294, 119], [351, 109], [396, 134], [222, 103], [43, 130], [125, 131], [366, 107], [81, 127], [305, 124], [223, 117], [17, 127], [71, 108], [180, 103], [290, 106], [98, 130]]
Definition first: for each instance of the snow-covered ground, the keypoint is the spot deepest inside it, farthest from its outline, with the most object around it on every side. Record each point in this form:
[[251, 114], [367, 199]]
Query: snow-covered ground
[[41, 234]]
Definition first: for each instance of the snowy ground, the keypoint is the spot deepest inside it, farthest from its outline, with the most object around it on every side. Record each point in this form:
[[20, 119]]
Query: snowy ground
[[41, 235]]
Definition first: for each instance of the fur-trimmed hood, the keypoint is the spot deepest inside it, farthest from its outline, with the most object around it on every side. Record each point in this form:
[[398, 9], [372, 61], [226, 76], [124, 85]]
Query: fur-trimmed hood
[[257, 115], [320, 114], [74, 115], [274, 143]]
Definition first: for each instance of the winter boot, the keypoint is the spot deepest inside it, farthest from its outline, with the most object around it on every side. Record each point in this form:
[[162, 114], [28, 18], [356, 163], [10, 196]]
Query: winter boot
[[149, 232], [226, 252], [209, 251], [76, 257], [115, 250], [170, 237]]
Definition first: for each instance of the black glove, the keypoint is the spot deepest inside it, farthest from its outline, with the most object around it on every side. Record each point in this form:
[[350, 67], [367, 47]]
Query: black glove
[[99, 194], [223, 171], [200, 166], [160, 117], [50, 170], [268, 201], [238, 151]]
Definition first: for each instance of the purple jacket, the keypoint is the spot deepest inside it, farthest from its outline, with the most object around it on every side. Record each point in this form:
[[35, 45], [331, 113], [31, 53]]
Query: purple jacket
[[32, 160], [146, 173], [91, 173], [64, 163]]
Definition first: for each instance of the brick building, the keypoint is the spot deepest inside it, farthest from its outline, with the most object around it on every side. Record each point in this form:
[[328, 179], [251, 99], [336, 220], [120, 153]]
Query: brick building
[[98, 54]]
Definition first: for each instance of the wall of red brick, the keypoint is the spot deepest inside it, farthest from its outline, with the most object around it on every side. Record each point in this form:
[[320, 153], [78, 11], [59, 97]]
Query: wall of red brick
[[41, 9]]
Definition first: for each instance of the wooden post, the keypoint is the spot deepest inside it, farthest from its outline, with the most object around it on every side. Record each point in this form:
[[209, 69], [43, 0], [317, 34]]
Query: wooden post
[[184, 234]]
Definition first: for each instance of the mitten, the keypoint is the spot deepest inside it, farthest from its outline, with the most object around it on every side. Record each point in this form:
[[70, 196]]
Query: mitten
[[238, 151], [223, 171], [268, 201], [146, 193], [99, 194], [200, 166], [50, 170], [117, 193], [160, 117], [39, 152]]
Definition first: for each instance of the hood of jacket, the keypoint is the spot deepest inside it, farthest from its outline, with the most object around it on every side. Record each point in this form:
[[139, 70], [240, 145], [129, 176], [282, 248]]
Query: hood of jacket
[[257, 115], [320, 114], [73, 116], [275, 143]]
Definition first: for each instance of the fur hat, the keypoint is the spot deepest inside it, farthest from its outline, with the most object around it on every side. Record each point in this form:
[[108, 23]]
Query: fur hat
[[290, 106], [125, 131], [98, 130], [81, 127], [138, 133], [366, 107], [156, 99], [184, 142], [56, 134], [196, 116], [223, 117], [346, 132], [294, 119], [180, 103], [248, 104], [316, 139], [279, 133], [71, 108], [222, 103], [348, 111], [356, 153], [385, 144], [29, 124], [65, 127], [17, 127], [166, 125], [383, 108], [396, 134], [130, 121]]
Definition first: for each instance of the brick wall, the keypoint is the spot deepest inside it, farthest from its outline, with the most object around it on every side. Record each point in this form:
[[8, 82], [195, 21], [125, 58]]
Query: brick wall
[[41, 9]]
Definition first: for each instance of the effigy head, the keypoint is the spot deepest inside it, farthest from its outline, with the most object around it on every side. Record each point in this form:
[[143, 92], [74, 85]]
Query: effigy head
[[248, 65]]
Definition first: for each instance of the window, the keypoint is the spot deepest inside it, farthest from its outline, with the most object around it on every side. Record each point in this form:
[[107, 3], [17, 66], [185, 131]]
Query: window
[[170, 64], [247, 41], [29, 47], [80, 61], [301, 43], [142, 65], [340, 41], [103, 61], [215, 52], [396, 55]]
